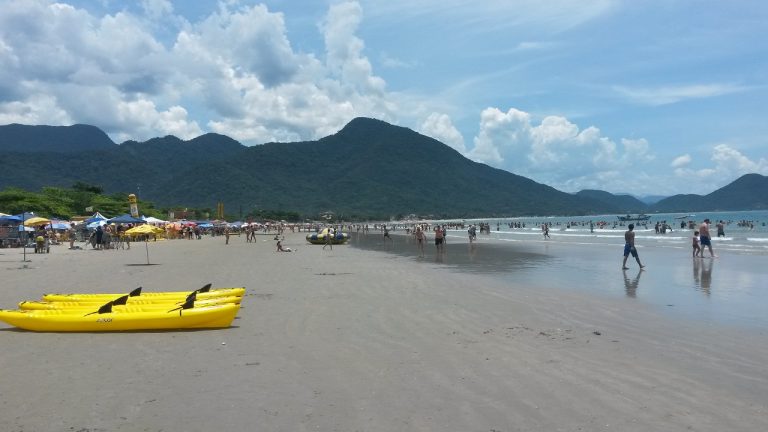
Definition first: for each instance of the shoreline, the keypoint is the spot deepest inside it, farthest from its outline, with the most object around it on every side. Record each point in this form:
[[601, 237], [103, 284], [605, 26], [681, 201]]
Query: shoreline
[[722, 291], [354, 339]]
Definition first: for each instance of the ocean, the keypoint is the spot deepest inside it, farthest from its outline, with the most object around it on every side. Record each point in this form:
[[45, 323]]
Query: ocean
[[739, 238], [731, 289]]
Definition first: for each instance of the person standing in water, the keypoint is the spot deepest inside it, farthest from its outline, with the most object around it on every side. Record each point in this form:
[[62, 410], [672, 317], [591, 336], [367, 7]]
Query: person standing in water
[[629, 247]]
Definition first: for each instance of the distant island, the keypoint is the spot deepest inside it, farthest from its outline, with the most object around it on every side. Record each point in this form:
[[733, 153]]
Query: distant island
[[369, 169]]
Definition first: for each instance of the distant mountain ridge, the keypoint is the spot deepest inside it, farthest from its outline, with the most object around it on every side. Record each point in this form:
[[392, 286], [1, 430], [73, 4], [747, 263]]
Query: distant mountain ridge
[[749, 188], [60, 139], [368, 169]]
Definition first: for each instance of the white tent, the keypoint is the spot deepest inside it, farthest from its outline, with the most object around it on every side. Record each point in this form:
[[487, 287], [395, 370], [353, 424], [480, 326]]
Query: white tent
[[154, 220]]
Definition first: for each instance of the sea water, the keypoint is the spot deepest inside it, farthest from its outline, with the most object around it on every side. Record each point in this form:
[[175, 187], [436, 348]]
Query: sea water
[[751, 238], [730, 289]]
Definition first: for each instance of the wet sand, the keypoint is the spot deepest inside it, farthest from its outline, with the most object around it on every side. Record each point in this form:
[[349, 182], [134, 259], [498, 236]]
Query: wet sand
[[354, 339], [729, 290]]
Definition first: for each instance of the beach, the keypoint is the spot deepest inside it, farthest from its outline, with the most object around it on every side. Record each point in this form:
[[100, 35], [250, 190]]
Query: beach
[[371, 337]]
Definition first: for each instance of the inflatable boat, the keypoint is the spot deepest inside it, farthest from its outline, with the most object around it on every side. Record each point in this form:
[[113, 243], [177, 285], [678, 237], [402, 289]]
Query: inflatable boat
[[320, 238]]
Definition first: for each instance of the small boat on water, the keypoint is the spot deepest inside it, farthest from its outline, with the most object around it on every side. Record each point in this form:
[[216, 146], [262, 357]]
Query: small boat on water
[[630, 218]]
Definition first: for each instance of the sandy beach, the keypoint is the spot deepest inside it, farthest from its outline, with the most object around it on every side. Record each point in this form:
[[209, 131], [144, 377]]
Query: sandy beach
[[366, 340]]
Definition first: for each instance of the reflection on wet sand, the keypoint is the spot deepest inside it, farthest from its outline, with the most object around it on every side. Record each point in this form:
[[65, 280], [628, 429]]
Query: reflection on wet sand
[[702, 274], [630, 285], [480, 258]]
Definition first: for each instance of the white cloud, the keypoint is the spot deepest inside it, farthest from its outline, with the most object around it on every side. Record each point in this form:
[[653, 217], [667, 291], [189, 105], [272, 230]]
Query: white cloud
[[440, 127], [673, 94], [234, 68], [557, 152], [344, 48], [156, 9], [394, 63], [728, 164], [681, 161]]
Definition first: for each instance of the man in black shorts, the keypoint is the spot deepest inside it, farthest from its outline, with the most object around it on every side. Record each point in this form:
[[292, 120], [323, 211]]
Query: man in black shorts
[[629, 247]]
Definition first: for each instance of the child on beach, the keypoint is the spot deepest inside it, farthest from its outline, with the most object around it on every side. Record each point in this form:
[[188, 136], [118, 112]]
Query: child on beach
[[695, 244], [280, 247]]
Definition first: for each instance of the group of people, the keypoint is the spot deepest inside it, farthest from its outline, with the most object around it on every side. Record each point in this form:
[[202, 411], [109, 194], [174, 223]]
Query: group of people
[[701, 238]]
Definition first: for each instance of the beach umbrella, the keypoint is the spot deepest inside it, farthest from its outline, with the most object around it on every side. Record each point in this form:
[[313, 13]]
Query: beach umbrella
[[37, 220], [145, 229]]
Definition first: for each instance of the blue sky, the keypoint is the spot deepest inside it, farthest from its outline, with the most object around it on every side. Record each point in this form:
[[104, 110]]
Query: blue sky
[[648, 97]]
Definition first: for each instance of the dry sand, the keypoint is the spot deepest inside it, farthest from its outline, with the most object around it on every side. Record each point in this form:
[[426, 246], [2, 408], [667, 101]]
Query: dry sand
[[355, 340]]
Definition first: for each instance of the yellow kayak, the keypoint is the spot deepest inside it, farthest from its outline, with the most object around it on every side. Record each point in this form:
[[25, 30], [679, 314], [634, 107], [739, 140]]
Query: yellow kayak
[[203, 293], [216, 316], [145, 303]]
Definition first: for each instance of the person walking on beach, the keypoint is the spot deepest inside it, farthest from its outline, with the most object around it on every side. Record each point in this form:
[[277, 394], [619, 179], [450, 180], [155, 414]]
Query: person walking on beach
[[629, 247], [328, 238], [705, 238], [226, 235], [421, 238], [386, 234], [696, 247], [445, 236], [438, 239], [72, 233], [99, 237], [545, 230]]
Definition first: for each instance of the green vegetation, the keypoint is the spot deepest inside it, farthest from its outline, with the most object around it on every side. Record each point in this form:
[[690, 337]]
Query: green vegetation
[[63, 203]]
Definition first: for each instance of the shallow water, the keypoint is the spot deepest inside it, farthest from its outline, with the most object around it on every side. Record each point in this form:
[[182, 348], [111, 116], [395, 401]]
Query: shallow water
[[731, 289]]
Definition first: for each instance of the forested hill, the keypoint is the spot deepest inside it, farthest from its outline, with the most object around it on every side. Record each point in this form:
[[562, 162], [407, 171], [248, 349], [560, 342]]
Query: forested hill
[[748, 192], [53, 139], [368, 169]]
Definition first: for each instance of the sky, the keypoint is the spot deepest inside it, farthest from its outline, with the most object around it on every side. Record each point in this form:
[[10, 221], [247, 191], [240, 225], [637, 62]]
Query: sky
[[653, 97]]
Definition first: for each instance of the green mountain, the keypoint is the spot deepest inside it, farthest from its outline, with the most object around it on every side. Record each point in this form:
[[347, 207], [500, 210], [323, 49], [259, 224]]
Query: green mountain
[[63, 139], [368, 169], [748, 192]]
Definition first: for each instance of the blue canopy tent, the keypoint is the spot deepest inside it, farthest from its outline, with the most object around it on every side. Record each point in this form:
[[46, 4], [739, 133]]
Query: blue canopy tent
[[126, 218], [95, 218], [10, 219], [26, 215], [59, 225], [96, 224]]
